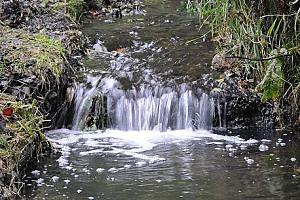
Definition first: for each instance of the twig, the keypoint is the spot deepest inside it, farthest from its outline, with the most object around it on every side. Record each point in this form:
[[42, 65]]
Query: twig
[[259, 59], [291, 15]]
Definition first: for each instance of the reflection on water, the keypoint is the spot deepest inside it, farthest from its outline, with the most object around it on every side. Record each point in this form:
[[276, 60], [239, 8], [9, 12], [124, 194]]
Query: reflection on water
[[178, 164]]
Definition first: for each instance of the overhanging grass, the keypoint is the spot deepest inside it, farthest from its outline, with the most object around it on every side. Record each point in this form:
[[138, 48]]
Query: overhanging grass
[[254, 32]]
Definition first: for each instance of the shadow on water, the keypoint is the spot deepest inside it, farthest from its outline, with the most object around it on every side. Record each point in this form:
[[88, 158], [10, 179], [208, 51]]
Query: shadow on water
[[160, 51]]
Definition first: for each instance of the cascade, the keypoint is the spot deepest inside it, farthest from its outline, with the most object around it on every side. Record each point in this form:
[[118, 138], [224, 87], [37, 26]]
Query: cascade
[[141, 107]]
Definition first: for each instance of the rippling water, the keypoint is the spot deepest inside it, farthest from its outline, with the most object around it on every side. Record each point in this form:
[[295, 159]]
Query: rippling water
[[163, 53], [182, 164]]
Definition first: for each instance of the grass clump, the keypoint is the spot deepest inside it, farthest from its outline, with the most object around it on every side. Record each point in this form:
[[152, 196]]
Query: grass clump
[[31, 54], [19, 132], [74, 9], [264, 36]]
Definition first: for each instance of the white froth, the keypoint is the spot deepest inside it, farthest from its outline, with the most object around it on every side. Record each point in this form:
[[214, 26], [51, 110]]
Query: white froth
[[136, 143]]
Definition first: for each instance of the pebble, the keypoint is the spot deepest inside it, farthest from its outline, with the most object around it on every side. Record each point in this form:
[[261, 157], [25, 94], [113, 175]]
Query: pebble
[[293, 159]]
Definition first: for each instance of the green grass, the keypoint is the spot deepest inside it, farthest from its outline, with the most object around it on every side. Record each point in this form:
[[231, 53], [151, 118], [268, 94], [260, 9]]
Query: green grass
[[240, 31], [31, 53], [74, 9], [21, 130]]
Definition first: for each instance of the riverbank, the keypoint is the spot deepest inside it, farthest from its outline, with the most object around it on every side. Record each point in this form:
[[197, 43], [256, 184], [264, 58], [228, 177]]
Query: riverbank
[[259, 53], [39, 44]]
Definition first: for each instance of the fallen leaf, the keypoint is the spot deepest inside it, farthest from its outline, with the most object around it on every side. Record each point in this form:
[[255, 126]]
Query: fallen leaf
[[7, 112], [120, 50]]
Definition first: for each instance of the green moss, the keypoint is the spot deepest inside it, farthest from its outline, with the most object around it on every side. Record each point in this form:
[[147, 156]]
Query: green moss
[[31, 53]]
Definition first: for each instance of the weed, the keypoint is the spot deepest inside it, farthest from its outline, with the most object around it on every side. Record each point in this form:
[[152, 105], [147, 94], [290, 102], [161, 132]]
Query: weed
[[21, 129], [73, 8], [247, 29]]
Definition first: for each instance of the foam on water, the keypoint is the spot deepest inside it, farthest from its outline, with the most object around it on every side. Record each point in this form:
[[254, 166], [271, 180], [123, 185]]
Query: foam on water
[[136, 144]]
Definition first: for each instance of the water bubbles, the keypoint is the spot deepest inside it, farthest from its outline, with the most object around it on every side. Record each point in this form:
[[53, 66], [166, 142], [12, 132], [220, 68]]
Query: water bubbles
[[40, 182], [228, 146], [243, 147], [36, 173], [249, 161], [293, 159], [55, 179], [67, 181], [282, 144], [140, 164], [99, 170], [113, 170], [110, 178], [78, 191], [263, 147]]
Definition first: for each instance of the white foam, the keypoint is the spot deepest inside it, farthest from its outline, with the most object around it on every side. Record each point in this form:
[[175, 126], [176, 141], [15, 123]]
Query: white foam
[[99, 170], [135, 143], [55, 179], [263, 147], [36, 173]]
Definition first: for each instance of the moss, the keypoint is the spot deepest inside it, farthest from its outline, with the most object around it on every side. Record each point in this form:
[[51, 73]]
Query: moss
[[31, 53]]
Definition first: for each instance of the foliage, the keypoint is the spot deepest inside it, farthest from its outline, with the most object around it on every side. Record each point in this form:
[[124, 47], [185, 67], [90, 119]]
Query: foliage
[[190, 7], [265, 36], [31, 53], [18, 132], [73, 8]]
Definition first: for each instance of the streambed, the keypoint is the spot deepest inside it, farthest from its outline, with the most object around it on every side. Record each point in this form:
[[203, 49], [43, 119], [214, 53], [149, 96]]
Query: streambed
[[153, 69]]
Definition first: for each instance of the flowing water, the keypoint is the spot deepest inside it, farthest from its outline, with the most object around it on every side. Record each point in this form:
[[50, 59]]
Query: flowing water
[[140, 123]]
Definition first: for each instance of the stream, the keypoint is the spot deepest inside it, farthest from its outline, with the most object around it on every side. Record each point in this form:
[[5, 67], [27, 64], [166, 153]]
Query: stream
[[140, 124]]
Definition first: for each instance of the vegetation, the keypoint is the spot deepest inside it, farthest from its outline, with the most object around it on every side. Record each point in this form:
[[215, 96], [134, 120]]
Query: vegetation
[[31, 54], [73, 8], [264, 36], [19, 130], [32, 68]]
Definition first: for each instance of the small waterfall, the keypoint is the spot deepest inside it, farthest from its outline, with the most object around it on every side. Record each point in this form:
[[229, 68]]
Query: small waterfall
[[141, 108]]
